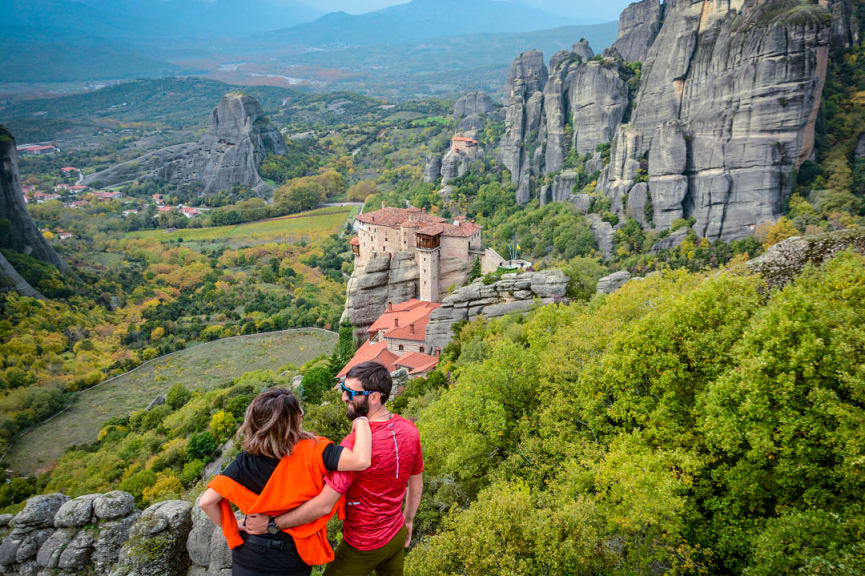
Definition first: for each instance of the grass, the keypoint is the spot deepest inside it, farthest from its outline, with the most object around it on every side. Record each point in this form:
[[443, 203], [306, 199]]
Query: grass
[[201, 366], [308, 226]]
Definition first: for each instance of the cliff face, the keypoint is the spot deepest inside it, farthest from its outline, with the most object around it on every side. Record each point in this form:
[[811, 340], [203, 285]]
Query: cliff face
[[725, 110], [24, 236], [229, 154], [639, 24], [577, 104]]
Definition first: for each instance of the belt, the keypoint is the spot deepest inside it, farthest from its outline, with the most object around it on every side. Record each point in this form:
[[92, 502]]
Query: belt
[[271, 543]]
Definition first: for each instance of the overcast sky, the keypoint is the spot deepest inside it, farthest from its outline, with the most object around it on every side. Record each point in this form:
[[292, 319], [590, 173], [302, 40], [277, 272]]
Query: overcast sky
[[579, 10]]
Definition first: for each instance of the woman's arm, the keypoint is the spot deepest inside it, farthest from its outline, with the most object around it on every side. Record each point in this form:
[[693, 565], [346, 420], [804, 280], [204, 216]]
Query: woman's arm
[[359, 457], [209, 502]]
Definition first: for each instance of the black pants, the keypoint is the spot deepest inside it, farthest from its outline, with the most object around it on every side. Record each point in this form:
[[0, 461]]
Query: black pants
[[256, 560]]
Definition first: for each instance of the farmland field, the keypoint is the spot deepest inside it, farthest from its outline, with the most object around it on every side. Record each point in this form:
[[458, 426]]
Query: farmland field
[[307, 226], [205, 365]]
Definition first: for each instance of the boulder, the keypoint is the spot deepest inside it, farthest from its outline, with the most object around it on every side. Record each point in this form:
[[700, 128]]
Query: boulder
[[31, 543], [782, 262], [157, 542], [612, 282], [114, 504], [76, 555], [158, 401], [76, 512], [51, 550], [112, 535], [39, 512], [671, 241]]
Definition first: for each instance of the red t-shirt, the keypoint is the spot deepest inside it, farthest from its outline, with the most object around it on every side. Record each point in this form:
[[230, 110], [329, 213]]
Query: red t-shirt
[[374, 497]]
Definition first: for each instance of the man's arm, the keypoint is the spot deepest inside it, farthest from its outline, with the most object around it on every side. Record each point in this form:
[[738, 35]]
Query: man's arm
[[310, 510], [412, 501]]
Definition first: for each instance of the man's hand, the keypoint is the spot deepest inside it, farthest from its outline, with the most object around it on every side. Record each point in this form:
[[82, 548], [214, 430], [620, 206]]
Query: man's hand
[[255, 524], [409, 526]]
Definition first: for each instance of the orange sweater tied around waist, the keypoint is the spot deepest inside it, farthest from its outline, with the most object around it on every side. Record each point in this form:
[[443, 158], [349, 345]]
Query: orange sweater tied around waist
[[298, 477]]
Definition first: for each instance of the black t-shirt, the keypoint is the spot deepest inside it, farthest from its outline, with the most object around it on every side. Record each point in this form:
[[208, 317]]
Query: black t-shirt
[[253, 472]]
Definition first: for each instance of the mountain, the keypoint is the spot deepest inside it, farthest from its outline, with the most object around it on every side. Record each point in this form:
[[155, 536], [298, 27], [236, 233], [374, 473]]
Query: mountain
[[61, 40], [145, 20], [418, 20]]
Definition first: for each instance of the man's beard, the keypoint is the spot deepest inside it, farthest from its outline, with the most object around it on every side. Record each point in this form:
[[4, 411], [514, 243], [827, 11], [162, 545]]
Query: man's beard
[[356, 411]]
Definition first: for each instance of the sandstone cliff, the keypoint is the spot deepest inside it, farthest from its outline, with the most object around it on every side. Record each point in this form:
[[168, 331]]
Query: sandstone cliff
[[638, 26], [229, 154]]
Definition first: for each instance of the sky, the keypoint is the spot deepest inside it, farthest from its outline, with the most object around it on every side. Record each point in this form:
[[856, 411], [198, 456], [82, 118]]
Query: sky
[[578, 10]]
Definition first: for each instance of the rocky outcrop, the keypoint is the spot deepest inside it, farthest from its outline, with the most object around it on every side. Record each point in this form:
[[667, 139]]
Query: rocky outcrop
[[612, 282], [470, 111], [785, 260], [157, 542], [81, 535], [577, 104], [10, 279], [432, 170], [456, 163], [23, 235], [725, 111], [383, 279], [517, 292], [639, 24], [229, 154]]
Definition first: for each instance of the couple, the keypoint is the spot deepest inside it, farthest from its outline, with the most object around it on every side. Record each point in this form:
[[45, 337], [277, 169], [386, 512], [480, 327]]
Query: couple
[[289, 483]]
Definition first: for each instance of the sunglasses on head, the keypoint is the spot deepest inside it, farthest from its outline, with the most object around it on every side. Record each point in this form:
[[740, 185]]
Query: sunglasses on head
[[352, 393]]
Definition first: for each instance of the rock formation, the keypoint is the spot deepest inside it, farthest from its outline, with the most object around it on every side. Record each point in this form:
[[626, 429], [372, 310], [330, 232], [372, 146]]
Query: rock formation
[[470, 111], [228, 155], [24, 237], [54, 533], [516, 292], [576, 105], [638, 26], [725, 111], [371, 287], [785, 260], [457, 162], [612, 282]]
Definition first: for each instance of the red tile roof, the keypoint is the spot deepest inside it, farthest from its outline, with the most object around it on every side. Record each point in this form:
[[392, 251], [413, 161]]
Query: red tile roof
[[464, 139], [371, 351], [427, 223], [354, 241], [69, 169], [397, 322], [394, 217], [417, 362]]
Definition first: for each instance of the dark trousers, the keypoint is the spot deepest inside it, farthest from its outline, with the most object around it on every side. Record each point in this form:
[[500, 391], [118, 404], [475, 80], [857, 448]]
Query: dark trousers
[[386, 561], [256, 560]]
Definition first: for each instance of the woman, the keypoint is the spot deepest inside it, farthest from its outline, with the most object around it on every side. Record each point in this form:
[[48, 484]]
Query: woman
[[280, 467]]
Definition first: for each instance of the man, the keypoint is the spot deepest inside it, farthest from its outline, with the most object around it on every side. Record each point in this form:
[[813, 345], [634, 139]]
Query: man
[[376, 529]]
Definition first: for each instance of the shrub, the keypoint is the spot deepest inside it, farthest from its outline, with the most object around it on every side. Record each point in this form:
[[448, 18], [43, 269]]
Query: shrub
[[202, 446]]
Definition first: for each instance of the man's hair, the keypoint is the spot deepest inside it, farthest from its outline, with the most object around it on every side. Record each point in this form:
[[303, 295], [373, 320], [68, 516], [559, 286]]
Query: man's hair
[[273, 425], [373, 376]]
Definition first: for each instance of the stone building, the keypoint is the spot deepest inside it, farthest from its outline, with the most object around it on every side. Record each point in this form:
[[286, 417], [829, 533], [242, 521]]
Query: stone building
[[444, 250], [397, 339]]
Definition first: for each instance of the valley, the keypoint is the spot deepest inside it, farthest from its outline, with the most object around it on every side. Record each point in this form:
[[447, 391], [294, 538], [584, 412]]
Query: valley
[[623, 264]]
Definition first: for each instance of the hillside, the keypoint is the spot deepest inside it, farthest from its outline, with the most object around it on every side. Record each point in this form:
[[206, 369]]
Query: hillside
[[200, 367]]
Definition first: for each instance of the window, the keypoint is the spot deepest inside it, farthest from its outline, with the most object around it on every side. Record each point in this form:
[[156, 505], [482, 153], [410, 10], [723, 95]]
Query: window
[[421, 349], [400, 347]]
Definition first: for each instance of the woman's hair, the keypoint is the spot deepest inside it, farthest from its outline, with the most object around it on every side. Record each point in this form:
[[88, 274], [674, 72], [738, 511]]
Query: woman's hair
[[272, 425]]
